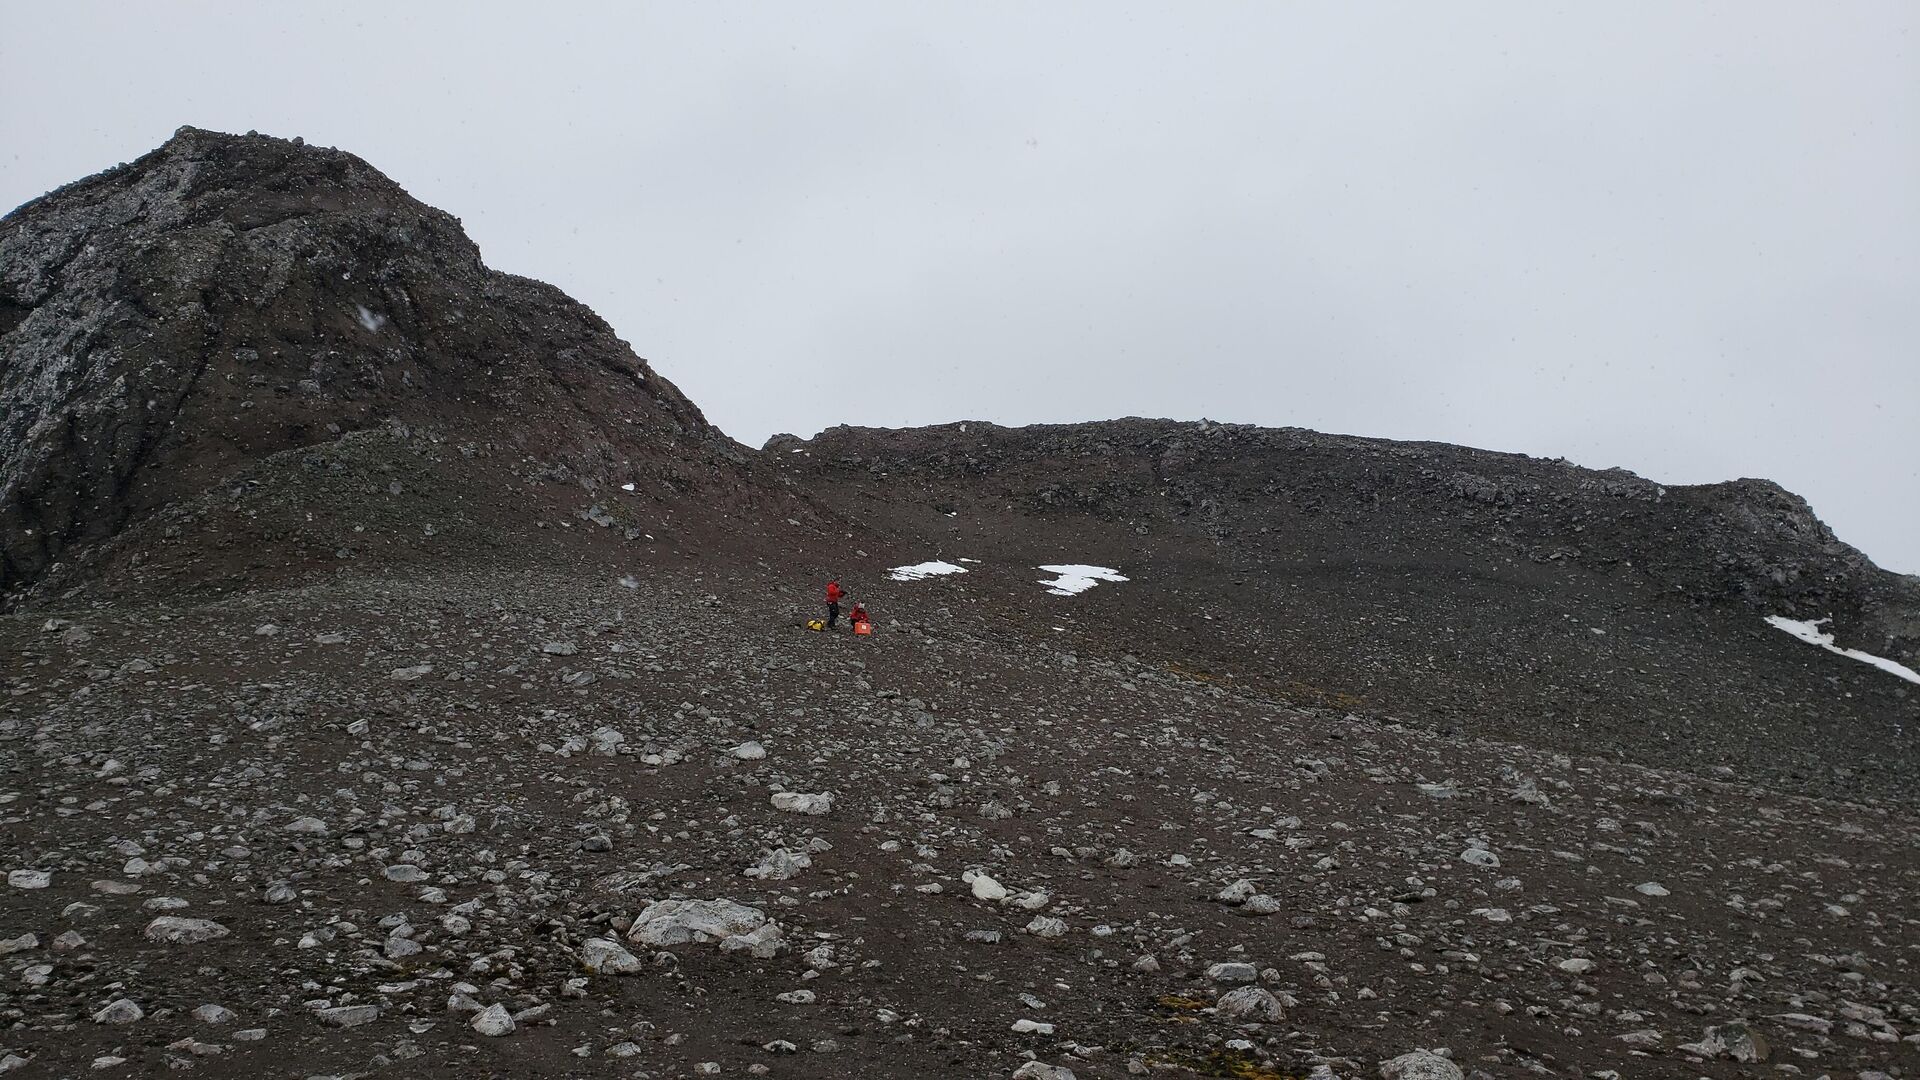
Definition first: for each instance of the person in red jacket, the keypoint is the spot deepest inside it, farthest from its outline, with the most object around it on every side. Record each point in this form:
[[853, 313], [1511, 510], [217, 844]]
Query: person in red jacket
[[857, 614], [834, 593]]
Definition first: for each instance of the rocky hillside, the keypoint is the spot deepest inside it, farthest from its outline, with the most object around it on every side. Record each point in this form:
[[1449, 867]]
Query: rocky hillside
[[170, 324], [401, 679], [452, 826], [1290, 493], [1465, 590]]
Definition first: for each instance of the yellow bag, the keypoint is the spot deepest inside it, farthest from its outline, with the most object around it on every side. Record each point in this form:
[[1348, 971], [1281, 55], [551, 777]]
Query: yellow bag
[[816, 624]]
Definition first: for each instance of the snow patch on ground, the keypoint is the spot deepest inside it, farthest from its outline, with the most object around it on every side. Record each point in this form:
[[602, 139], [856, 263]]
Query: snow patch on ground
[[371, 321], [924, 570], [1811, 633], [1074, 578]]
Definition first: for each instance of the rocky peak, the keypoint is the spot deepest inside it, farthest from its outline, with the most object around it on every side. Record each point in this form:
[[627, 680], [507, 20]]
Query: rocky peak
[[227, 297]]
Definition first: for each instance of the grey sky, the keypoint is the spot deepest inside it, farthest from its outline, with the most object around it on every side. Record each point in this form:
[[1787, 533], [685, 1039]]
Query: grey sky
[[1684, 239]]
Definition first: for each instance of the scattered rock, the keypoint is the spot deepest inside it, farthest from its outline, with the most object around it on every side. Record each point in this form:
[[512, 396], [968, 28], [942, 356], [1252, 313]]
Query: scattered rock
[[985, 888], [1233, 972], [604, 956], [1046, 926], [733, 926], [1735, 1040], [794, 802], [346, 1016], [493, 1021], [174, 930], [1420, 1065], [1251, 1003], [1031, 1027], [119, 1011], [1481, 857]]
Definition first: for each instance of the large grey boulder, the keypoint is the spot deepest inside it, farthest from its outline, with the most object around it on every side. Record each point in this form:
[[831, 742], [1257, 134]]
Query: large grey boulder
[[1420, 1065], [730, 925], [174, 930]]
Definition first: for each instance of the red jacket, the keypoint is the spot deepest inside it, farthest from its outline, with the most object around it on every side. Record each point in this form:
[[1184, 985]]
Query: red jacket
[[858, 614], [834, 592]]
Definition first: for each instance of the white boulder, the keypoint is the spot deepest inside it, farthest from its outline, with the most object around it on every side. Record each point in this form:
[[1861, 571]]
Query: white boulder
[[119, 1011], [493, 1021], [985, 888], [779, 864], [1479, 856], [732, 926], [1046, 926], [1233, 971], [1236, 893], [799, 802], [1251, 1003], [174, 930], [605, 956]]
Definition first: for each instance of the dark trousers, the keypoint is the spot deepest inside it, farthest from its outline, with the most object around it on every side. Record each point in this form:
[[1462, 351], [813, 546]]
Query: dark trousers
[[833, 614]]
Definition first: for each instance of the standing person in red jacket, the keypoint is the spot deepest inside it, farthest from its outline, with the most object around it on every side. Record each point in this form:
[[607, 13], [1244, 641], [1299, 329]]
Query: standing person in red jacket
[[834, 593]]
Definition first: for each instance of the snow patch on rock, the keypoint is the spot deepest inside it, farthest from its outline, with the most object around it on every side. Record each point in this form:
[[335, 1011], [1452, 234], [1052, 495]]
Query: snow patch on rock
[[919, 571], [1810, 632]]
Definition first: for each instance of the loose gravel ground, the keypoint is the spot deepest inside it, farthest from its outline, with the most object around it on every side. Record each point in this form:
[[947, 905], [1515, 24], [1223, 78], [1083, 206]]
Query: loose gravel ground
[[438, 826]]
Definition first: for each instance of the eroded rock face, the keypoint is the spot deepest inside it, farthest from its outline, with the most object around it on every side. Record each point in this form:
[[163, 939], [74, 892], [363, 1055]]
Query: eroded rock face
[[226, 297]]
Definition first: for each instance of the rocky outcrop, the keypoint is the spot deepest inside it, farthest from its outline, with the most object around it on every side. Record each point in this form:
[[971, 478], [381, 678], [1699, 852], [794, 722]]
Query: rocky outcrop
[[225, 297]]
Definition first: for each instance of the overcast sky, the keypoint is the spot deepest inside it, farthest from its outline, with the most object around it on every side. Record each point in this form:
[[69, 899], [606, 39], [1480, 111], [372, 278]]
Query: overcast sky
[[1683, 239]]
